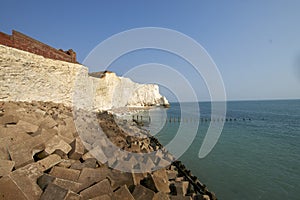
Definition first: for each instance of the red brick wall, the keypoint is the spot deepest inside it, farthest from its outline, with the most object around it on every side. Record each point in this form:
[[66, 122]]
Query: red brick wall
[[25, 43], [6, 39]]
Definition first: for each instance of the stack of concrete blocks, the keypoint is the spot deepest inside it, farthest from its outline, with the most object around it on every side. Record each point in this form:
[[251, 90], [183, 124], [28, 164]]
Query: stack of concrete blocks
[[43, 157]]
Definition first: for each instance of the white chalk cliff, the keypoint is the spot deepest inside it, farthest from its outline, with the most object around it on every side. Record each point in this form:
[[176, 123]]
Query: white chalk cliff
[[112, 91], [28, 77]]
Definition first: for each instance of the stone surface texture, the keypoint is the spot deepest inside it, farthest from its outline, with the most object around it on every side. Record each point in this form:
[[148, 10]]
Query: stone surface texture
[[30, 77], [50, 162]]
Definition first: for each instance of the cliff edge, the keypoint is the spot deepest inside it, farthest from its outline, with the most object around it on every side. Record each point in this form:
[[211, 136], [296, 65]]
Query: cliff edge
[[112, 91], [30, 77]]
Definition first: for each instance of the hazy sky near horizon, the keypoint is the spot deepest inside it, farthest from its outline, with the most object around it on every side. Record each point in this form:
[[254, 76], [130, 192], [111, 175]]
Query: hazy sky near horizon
[[255, 44]]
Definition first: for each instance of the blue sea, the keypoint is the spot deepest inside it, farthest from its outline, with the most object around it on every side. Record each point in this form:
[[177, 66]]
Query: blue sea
[[257, 155]]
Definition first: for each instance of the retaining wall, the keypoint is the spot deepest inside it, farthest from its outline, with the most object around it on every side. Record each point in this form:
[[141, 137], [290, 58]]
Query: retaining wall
[[23, 42]]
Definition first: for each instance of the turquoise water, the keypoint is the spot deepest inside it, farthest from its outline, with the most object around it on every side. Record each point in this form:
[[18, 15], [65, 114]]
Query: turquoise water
[[253, 159]]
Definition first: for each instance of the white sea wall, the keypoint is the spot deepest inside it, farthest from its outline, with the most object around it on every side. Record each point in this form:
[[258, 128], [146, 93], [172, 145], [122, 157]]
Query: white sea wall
[[29, 77]]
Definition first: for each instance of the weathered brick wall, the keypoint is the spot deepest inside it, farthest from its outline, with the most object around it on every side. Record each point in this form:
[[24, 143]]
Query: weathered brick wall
[[6, 39], [23, 42]]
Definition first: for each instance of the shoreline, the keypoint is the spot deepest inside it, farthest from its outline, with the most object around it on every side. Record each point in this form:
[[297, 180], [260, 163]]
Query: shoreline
[[41, 154], [199, 187], [193, 180]]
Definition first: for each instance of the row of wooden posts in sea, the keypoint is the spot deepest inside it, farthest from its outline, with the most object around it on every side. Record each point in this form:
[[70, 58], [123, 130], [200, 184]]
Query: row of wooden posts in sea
[[172, 119]]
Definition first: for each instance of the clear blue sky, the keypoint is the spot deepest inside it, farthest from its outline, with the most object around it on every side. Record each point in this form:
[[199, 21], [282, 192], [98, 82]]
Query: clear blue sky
[[255, 44]]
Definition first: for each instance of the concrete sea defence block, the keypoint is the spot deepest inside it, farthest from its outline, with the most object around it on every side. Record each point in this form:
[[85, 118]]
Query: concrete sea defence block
[[12, 135], [118, 178], [140, 192], [160, 196], [48, 123], [90, 176], [181, 188], [88, 163], [122, 194], [102, 197], [65, 173], [48, 162], [27, 127], [137, 177], [172, 174], [6, 167], [67, 184], [64, 133], [180, 198], [9, 189], [60, 193], [161, 181], [72, 196], [77, 149], [44, 180], [157, 181], [23, 152], [26, 177], [67, 163], [9, 119], [43, 165], [57, 143], [101, 188], [4, 155]]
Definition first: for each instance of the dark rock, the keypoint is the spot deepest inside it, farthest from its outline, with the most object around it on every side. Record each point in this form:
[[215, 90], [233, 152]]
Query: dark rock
[[44, 180], [54, 192]]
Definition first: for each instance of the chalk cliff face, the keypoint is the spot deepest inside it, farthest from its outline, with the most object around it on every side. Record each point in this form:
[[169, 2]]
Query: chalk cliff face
[[26, 77], [112, 91]]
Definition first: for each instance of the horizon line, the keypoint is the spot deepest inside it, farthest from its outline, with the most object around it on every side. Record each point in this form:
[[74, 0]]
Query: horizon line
[[234, 100]]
